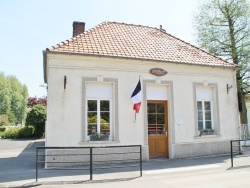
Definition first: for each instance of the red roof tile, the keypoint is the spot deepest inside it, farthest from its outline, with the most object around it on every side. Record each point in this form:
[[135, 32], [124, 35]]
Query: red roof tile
[[136, 41]]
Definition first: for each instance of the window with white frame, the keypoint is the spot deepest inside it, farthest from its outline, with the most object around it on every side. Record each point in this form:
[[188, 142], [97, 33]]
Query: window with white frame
[[204, 115], [204, 104], [98, 108]]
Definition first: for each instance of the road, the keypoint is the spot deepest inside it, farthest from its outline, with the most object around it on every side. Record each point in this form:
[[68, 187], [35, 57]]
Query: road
[[17, 164]]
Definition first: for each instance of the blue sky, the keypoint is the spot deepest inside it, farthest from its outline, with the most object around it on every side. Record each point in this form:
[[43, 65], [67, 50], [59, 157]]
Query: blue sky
[[28, 27]]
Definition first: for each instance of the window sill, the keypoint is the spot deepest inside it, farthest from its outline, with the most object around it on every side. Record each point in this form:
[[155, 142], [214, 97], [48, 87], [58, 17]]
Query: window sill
[[207, 136], [105, 142]]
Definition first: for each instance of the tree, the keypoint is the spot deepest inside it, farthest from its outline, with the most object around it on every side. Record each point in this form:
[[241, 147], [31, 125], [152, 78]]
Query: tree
[[4, 120], [37, 117], [13, 98], [32, 101], [19, 97], [4, 95], [223, 28], [23, 106]]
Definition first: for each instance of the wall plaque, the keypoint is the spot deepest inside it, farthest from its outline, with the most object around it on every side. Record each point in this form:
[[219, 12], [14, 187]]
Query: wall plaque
[[158, 71]]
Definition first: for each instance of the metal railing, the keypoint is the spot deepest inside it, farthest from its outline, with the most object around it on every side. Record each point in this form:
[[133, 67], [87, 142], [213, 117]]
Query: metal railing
[[88, 158], [239, 148]]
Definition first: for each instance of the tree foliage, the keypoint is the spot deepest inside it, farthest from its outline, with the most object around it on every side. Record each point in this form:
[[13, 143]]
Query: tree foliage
[[223, 28], [37, 117], [13, 98], [4, 95], [32, 101], [4, 120]]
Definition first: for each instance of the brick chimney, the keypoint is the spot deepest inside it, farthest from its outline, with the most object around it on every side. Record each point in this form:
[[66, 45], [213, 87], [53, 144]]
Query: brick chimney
[[78, 28]]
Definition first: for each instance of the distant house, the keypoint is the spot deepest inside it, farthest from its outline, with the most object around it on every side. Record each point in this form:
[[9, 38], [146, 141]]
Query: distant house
[[189, 100]]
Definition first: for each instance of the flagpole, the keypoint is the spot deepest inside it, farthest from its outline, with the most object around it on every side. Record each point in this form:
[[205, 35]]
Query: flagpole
[[135, 112]]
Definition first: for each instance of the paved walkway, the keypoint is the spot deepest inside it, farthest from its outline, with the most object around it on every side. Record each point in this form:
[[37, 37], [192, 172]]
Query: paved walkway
[[17, 169]]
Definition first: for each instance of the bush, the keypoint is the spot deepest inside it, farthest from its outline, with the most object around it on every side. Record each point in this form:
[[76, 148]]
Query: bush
[[19, 132], [10, 133], [37, 117], [26, 132], [2, 129]]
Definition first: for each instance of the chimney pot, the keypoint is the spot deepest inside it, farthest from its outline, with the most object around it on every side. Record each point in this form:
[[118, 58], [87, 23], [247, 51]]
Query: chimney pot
[[162, 29], [78, 28]]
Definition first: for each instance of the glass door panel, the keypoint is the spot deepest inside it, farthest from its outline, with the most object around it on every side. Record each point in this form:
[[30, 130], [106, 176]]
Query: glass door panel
[[156, 119]]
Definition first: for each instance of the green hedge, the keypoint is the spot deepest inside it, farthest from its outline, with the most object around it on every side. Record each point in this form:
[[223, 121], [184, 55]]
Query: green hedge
[[2, 129], [19, 132]]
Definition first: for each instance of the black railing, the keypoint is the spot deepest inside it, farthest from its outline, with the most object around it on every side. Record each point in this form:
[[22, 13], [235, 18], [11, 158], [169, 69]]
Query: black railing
[[239, 148], [88, 158]]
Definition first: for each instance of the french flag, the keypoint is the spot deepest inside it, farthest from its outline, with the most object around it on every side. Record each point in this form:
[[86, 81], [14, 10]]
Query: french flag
[[137, 97]]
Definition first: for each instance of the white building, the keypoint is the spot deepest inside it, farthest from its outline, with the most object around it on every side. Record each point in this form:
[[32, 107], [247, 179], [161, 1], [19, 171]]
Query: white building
[[189, 99]]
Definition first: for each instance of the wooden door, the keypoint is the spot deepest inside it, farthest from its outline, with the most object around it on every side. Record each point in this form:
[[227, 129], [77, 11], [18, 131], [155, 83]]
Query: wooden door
[[157, 128]]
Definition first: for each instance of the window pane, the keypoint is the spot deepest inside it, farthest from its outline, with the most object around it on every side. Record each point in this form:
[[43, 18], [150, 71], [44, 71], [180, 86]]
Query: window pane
[[105, 128], [92, 105], [151, 118], [104, 105], [160, 129], [208, 115], [151, 108], [151, 129], [160, 119], [160, 108], [199, 105], [92, 128], [92, 117], [204, 107], [200, 125], [104, 117], [208, 125], [207, 105], [200, 115]]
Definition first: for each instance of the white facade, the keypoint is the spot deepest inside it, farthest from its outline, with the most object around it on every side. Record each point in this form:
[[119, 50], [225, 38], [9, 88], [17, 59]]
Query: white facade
[[248, 111], [66, 108]]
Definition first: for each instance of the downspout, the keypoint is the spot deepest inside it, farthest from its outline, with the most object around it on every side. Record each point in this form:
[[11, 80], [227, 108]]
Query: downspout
[[45, 66], [45, 81]]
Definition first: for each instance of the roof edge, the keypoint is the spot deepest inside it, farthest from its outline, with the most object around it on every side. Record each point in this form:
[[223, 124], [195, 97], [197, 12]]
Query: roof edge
[[234, 67], [203, 50], [138, 25]]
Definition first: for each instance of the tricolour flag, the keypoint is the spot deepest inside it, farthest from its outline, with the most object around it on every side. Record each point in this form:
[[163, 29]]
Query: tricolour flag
[[137, 97]]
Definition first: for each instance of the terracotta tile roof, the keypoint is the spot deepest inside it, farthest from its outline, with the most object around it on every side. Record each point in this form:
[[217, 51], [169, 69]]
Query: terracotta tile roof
[[136, 41]]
